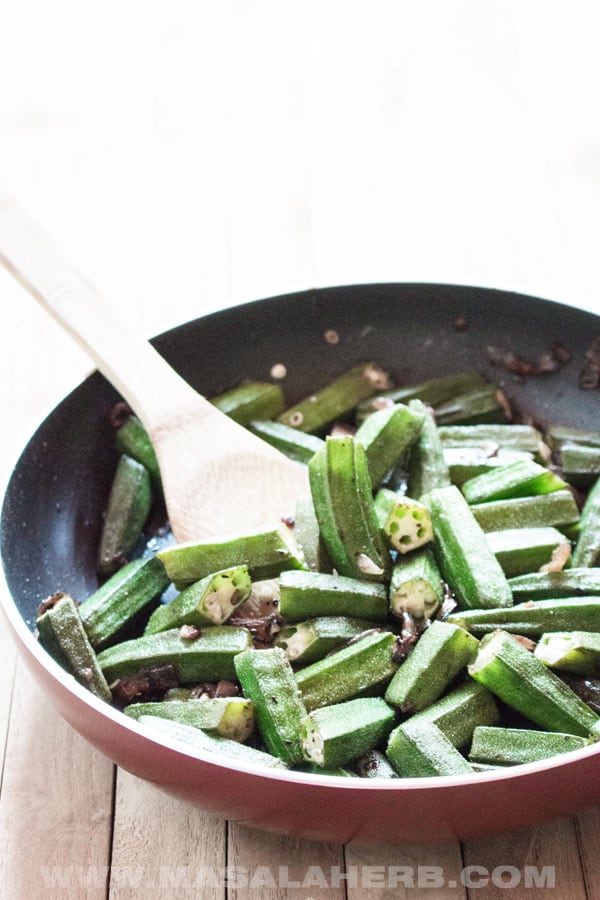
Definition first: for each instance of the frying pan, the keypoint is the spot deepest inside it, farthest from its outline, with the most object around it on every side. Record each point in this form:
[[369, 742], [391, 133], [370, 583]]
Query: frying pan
[[54, 501]]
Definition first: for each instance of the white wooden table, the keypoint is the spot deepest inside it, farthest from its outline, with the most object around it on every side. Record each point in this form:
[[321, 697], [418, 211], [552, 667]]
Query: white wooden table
[[191, 154]]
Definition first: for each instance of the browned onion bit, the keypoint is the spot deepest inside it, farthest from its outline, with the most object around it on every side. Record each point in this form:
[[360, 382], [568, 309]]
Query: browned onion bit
[[49, 603], [119, 414], [546, 363], [589, 377], [144, 686]]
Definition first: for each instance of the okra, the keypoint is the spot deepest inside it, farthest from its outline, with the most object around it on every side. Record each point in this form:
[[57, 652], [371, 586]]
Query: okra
[[197, 739], [465, 463], [343, 498], [61, 632], [490, 437], [298, 445], [231, 717], [474, 407], [519, 479], [558, 435], [524, 683], [374, 765], [440, 654], [128, 507], [254, 400], [132, 440], [336, 735], [419, 749], [364, 665], [130, 591], [427, 468], [306, 642], [459, 712], [336, 399], [580, 464], [304, 595], [388, 436], [416, 586], [521, 550], [433, 392], [205, 656], [210, 601], [308, 537], [267, 679], [557, 509], [532, 619], [571, 651], [514, 746], [266, 553], [571, 582], [587, 548], [406, 522], [465, 559]]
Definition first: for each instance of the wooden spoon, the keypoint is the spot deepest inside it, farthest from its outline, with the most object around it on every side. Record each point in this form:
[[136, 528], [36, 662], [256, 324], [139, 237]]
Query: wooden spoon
[[218, 478]]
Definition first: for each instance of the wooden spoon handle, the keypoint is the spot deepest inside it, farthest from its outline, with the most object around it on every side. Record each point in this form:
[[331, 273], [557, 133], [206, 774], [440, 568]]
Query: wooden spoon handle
[[150, 386]]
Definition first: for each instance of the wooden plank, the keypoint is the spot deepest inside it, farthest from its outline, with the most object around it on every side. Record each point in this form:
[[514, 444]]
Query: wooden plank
[[404, 872], [276, 867], [163, 847], [55, 806], [588, 837], [7, 671], [526, 864]]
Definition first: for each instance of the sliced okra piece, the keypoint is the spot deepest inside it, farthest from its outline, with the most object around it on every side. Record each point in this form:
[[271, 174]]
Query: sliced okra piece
[[364, 665], [433, 392], [459, 712], [418, 749], [462, 552], [524, 683], [587, 547], [231, 717], [298, 445], [336, 399], [557, 509], [416, 586], [479, 406], [465, 463], [571, 651], [127, 593], [304, 595], [306, 642], [559, 435], [210, 601], [514, 746], [489, 437], [61, 632], [427, 468], [308, 537], [440, 654], [207, 655], [266, 553], [406, 522], [388, 436], [532, 618], [128, 507], [524, 478], [572, 582], [521, 550], [197, 739], [254, 400], [343, 498], [580, 464], [374, 765], [267, 680], [334, 736], [132, 439]]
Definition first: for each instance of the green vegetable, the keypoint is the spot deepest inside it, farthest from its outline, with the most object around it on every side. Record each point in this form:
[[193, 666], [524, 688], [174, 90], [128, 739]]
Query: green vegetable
[[311, 640], [459, 712], [128, 507], [387, 436], [521, 550], [519, 479], [532, 619], [132, 440], [416, 586], [337, 735], [254, 400], [427, 468], [418, 749], [462, 552], [557, 509], [513, 746], [231, 717], [571, 651], [210, 601], [304, 595], [296, 444], [406, 522], [587, 548]]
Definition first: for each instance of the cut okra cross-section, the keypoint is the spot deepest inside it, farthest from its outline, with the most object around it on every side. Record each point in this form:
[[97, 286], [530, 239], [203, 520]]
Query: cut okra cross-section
[[406, 522], [210, 601]]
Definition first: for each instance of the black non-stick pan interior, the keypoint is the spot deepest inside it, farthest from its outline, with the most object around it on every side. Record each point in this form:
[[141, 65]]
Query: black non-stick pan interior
[[53, 507]]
